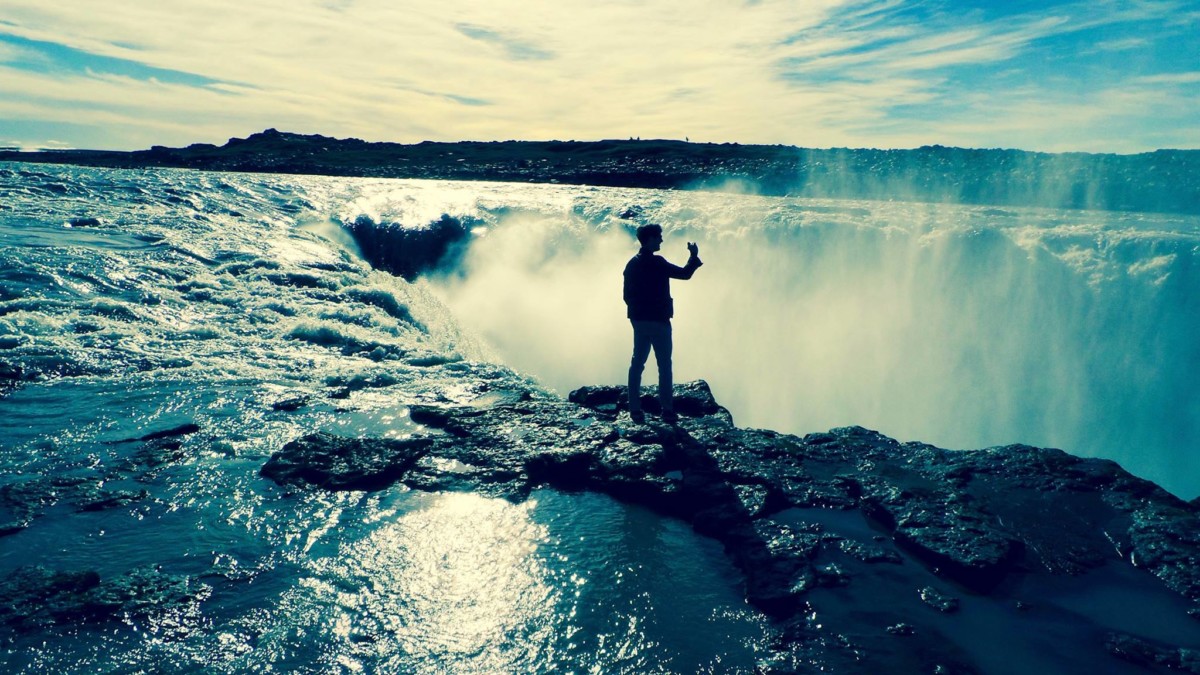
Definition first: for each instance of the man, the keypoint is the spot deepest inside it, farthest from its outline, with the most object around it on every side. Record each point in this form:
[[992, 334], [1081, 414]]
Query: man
[[648, 297]]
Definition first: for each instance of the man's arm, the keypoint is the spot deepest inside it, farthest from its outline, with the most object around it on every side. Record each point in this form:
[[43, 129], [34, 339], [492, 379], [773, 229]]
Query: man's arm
[[685, 272]]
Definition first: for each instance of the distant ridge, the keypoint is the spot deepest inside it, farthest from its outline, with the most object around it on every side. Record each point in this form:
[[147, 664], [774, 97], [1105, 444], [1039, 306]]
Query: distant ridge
[[1165, 181]]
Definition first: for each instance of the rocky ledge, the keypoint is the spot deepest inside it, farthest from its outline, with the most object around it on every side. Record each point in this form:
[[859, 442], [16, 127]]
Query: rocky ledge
[[867, 552]]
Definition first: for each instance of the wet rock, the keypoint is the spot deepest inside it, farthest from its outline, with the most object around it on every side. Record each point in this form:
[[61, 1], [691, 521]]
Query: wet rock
[[1148, 654], [337, 463], [693, 399], [173, 432], [938, 600], [777, 561], [291, 403], [753, 498], [34, 597], [832, 576], [22, 500], [902, 630], [961, 546], [604, 399], [869, 553], [409, 251], [11, 377], [974, 517], [936, 526], [100, 500], [158, 452], [1165, 540]]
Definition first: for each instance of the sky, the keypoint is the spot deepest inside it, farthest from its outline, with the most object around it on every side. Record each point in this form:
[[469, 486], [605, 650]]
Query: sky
[[1095, 75]]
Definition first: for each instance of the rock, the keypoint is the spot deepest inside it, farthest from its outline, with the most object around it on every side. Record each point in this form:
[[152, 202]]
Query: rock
[[953, 538], [158, 452], [832, 576], [1165, 540], [938, 600], [901, 629], [11, 377], [602, 398], [291, 403], [22, 500], [337, 463], [973, 517], [693, 399], [869, 553], [406, 251], [777, 561], [181, 430], [34, 597], [100, 500], [1147, 654]]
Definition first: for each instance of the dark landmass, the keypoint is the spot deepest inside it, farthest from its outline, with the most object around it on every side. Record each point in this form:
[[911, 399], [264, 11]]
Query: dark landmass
[[1165, 181]]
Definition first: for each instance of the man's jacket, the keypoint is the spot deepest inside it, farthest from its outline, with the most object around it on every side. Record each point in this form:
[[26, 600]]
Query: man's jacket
[[648, 285]]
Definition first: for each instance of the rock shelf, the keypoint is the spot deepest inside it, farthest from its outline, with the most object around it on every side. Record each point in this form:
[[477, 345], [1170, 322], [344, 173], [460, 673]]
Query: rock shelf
[[806, 517]]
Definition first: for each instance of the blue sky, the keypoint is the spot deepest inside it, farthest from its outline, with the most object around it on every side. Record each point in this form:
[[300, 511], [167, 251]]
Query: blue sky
[[1097, 76]]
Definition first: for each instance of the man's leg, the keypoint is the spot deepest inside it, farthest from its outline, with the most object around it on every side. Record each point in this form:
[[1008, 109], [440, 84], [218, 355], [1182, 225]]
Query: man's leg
[[641, 351], [662, 354]]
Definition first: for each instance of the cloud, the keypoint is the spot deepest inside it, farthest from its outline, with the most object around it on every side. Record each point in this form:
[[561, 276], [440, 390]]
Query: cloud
[[515, 48], [50, 57], [1171, 78], [1121, 45], [822, 73]]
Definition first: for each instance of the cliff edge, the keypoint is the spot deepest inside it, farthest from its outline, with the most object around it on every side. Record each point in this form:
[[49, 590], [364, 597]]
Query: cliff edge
[[871, 555]]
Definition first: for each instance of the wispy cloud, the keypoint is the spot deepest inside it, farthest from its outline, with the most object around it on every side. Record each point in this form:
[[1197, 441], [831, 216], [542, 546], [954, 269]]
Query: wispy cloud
[[822, 72], [515, 48], [49, 57], [1123, 44], [1171, 78]]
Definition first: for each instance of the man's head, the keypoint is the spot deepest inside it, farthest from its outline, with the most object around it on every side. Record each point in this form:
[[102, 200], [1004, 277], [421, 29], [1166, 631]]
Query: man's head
[[650, 236]]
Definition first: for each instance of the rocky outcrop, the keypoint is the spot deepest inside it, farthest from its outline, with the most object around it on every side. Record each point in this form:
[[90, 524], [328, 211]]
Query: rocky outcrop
[[10, 378], [408, 251], [24, 498], [804, 518], [34, 597]]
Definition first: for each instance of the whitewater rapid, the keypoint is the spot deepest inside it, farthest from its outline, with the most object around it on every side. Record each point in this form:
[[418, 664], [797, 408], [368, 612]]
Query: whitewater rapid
[[960, 326], [965, 327]]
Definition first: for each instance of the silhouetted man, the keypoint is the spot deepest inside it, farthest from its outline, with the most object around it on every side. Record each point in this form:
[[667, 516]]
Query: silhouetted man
[[648, 297]]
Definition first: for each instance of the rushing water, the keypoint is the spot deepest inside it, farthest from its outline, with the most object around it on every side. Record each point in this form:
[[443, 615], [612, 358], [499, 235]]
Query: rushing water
[[964, 327], [139, 301]]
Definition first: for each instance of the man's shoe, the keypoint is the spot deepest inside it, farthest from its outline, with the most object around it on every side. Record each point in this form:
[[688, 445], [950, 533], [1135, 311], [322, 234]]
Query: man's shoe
[[637, 416], [670, 417]]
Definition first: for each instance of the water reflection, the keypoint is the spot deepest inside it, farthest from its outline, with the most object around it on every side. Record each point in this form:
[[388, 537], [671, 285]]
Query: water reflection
[[569, 583]]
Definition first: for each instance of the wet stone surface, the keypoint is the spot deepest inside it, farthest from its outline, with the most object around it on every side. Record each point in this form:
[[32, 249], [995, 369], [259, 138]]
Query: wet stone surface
[[34, 597], [970, 518]]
